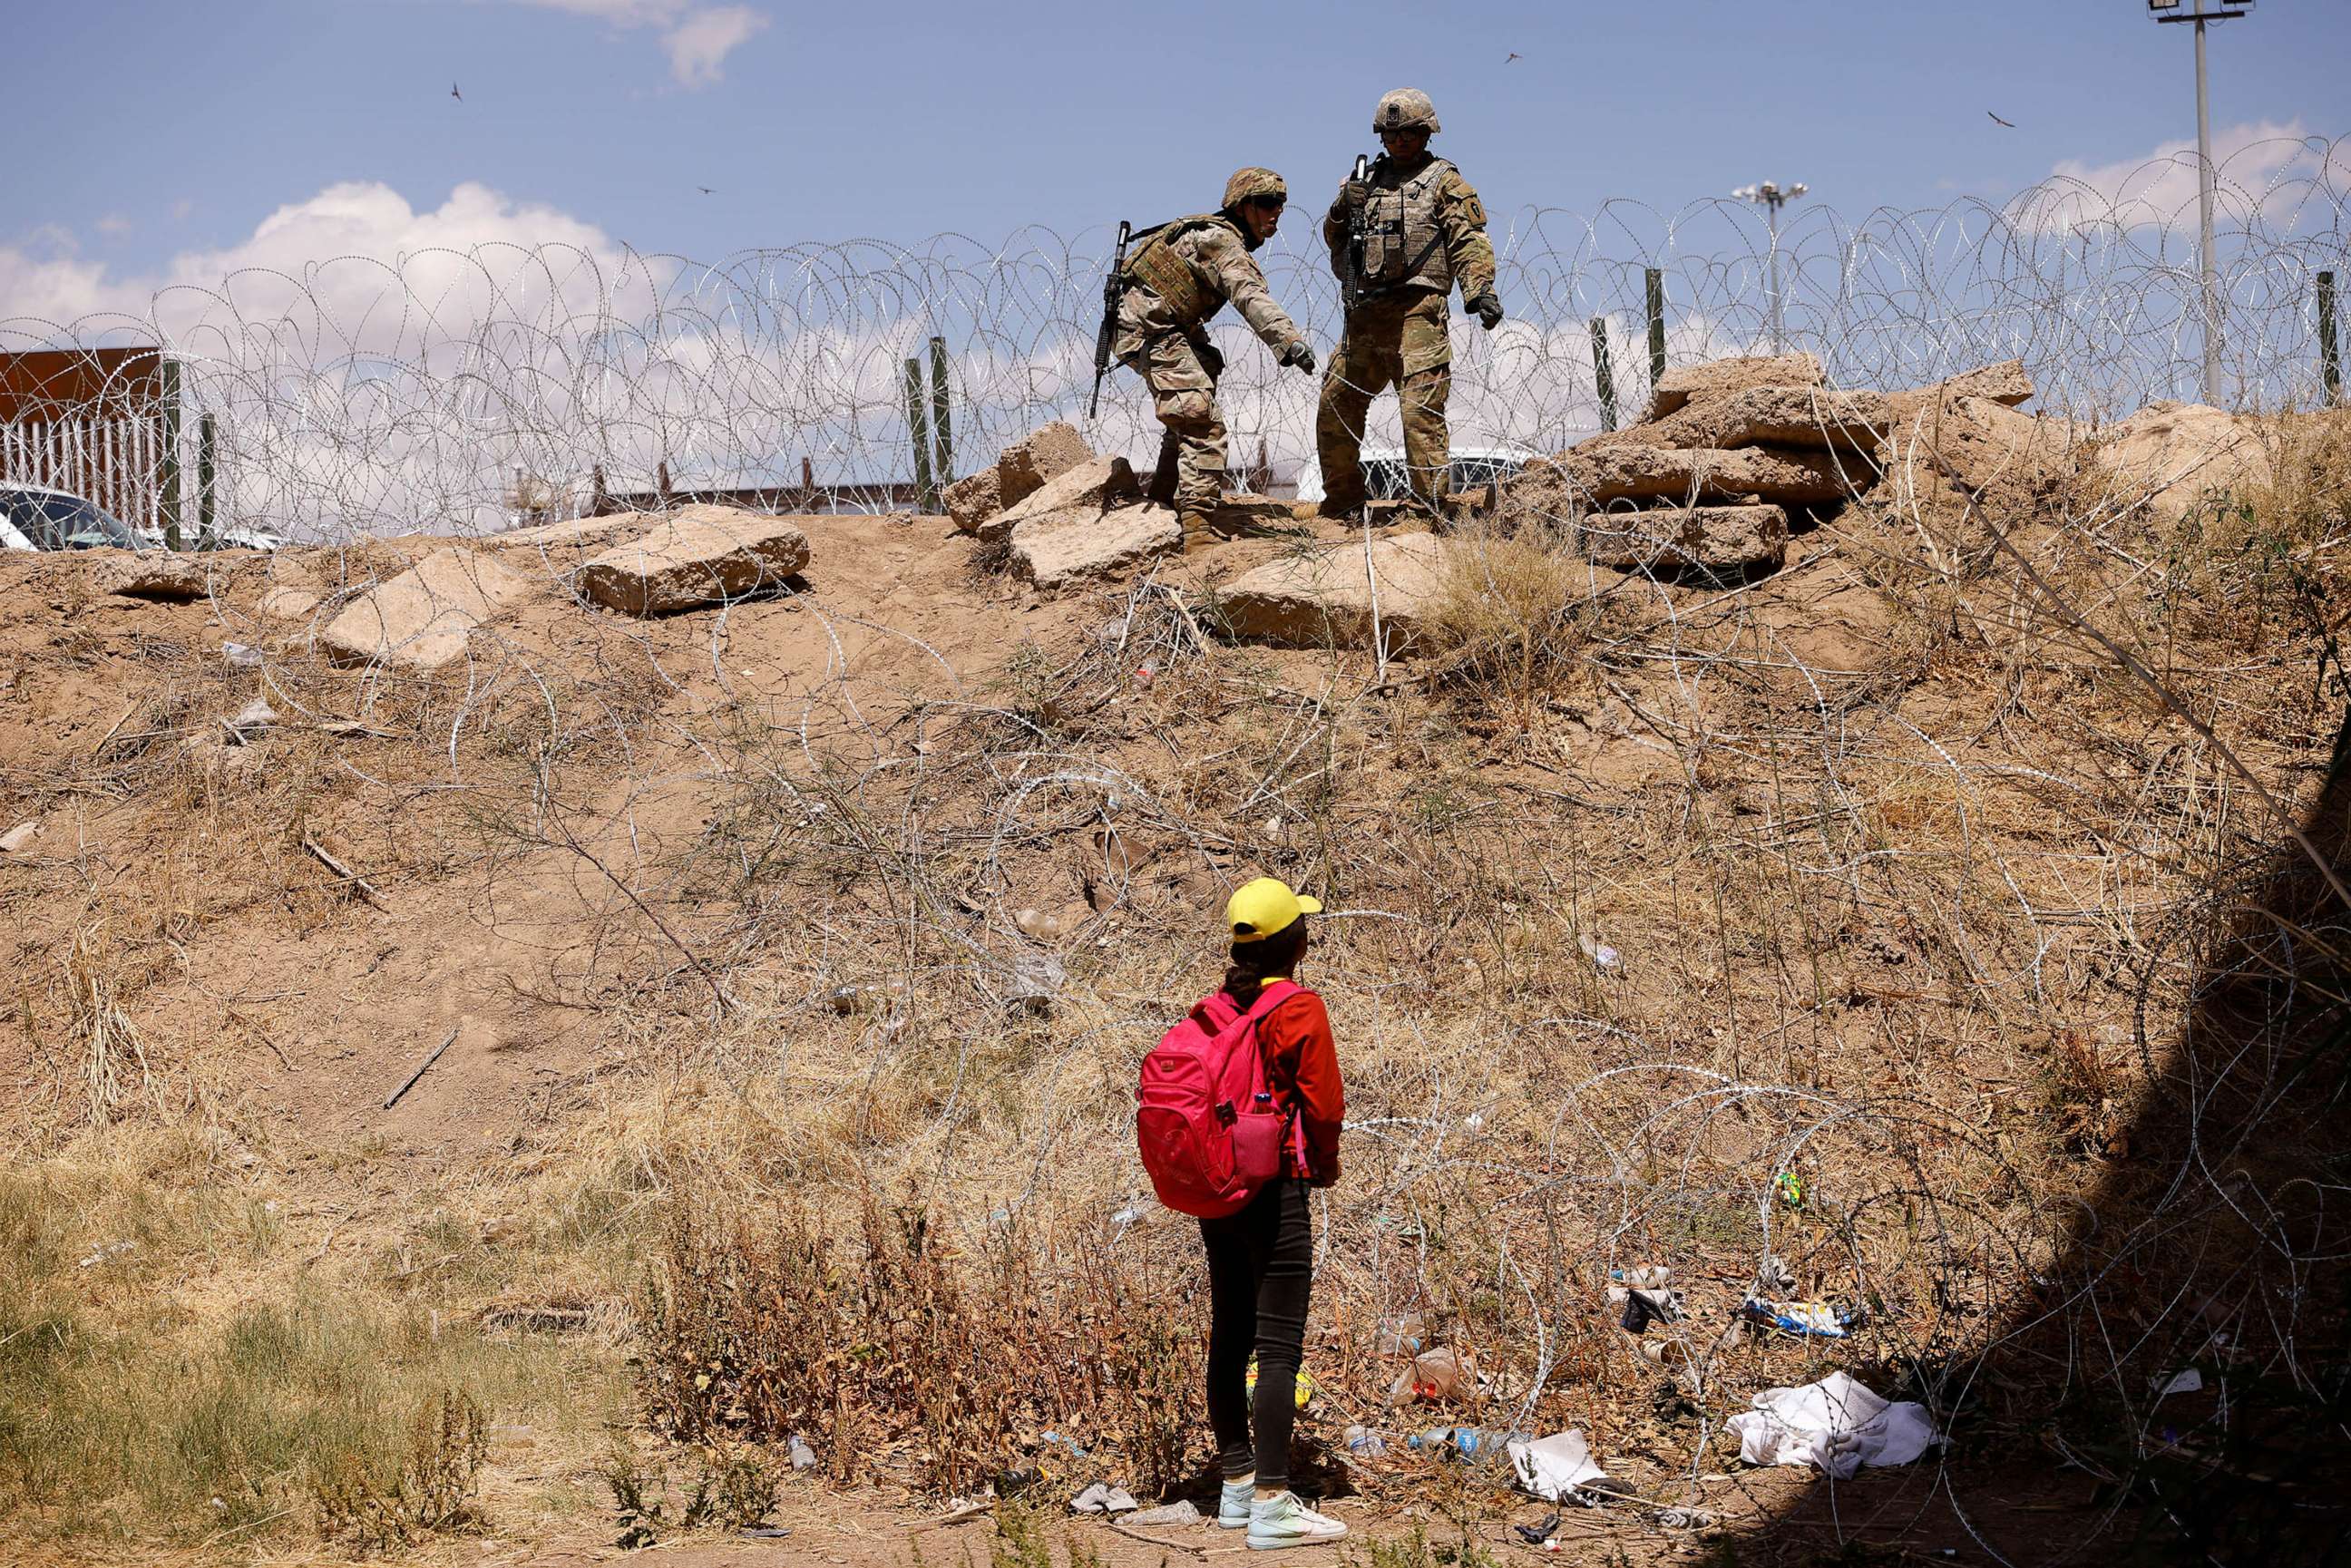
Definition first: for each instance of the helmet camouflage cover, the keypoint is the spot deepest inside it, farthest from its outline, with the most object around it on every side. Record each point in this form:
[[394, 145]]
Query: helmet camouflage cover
[[1406, 109], [1247, 183]]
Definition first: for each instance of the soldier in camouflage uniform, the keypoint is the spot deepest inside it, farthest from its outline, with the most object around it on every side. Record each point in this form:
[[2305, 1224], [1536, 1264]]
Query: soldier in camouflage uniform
[[1423, 231], [1181, 275]]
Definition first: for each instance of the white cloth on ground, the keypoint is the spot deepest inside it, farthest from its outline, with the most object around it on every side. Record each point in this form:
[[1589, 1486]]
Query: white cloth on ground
[[1835, 1424], [1553, 1467]]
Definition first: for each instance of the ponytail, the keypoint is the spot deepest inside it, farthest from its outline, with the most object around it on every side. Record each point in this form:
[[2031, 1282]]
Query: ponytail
[[1254, 963]]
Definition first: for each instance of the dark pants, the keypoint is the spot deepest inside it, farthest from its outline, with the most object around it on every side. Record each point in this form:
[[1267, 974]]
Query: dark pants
[[1260, 1267]]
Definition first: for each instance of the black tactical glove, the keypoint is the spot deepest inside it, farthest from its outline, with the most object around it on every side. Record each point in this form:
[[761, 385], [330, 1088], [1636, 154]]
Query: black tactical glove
[[1300, 355], [1487, 308]]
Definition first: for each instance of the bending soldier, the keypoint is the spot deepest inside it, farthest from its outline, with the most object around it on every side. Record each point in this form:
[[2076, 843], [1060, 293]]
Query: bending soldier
[[1182, 274], [1413, 228]]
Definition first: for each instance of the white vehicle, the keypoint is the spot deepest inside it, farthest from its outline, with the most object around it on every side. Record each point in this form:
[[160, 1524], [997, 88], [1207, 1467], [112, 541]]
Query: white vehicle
[[34, 517], [1387, 479]]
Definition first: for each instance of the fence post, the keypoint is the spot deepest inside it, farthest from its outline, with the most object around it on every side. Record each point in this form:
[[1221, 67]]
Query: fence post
[[2330, 353], [205, 470], [1654, 280], [1601, 374], [943, 466], [168, 477], [920, 437]]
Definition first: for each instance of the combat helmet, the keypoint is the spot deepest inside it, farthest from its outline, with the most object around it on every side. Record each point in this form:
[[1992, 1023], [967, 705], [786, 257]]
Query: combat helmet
[[1406, 109], [1248, 182]]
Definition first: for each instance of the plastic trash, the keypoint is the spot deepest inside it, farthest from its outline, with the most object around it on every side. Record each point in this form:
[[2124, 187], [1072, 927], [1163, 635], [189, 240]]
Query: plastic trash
[[1643, 1308], [2188, 1379], [1813, 1320], [1648, 1277], [1103, 1498], [803, 1457], [1406, 1335], [242, 655], [1543, 1529], [1790, 1189], [1365, 1443], [1605, 958], [1837, 1425], [1437, 1373], [1181, 1512], [1551, 1467], [1470, 1445]]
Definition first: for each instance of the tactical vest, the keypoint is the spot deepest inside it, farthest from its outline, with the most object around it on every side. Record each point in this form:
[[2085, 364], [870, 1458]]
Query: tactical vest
[[1404, 245], [1179, 285]]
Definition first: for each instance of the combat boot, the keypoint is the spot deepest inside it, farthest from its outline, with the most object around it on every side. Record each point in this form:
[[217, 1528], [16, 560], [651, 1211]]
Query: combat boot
[[1199, 530]]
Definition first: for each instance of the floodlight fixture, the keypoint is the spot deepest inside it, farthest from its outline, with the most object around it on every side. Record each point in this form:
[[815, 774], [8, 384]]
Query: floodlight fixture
[[1770, 196]]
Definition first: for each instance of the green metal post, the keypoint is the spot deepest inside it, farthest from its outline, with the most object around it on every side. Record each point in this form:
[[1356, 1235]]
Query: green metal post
[[1656, 279], [943, 465], [923, 500], [168, 480], [205, 471], [2330, 353], [1602, 373]]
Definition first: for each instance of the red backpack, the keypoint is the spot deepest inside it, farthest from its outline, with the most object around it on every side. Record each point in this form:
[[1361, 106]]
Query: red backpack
[[1203, 1115]]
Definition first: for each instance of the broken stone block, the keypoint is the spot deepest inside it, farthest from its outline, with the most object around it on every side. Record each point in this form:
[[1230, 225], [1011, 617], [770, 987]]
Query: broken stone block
[[564, 543], [1685, 384], [287, 604], [2004, 383], [1788, 475], [972, 501], [1038, 458], [1062, 547], [1096, 485], [424, 617], [149, 574], [1323, 597], [2174, 456], [1810, 417], [1708, 538], [699, 555], [1985, 445]]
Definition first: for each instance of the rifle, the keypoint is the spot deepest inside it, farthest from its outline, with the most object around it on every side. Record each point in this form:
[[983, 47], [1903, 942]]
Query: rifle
[[1110, 316], [1352, 291]]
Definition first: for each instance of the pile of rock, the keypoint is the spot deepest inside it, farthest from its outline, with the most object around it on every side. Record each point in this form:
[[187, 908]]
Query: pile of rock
[[1708, 478], [1062, 513]]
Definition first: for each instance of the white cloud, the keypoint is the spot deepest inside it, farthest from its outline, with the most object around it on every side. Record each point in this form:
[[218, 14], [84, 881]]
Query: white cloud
[[698, 46], [697, 39], [114, 225], [2259, 169], [335, 254]]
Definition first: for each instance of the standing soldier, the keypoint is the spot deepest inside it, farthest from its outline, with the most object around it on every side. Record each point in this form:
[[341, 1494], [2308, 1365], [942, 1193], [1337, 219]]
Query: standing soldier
[[1399, 240], [1183, 273]]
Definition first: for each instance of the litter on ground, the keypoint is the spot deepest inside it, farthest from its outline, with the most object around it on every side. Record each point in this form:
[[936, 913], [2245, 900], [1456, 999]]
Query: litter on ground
[[1553, 1467], [1835, 1424]]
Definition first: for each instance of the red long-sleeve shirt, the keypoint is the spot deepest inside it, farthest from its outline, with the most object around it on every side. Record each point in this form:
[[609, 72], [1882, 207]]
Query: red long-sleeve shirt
[[1301, 1058]]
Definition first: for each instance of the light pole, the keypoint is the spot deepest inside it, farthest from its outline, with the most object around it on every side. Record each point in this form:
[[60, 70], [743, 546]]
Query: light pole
[[1771, 197], [2170, 11]]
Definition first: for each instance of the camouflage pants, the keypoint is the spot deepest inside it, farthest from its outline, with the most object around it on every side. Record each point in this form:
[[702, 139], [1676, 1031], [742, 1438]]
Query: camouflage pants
[[1399, 340], [1182, 375]]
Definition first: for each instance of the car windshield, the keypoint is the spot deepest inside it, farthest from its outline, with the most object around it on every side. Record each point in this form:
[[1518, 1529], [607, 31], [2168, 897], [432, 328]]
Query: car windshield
[[65, 522]]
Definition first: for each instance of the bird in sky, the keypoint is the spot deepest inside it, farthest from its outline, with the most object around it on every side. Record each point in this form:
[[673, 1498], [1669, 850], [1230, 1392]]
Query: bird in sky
[[455, 94], [1996, 120], [704, 190], [1512, 56]]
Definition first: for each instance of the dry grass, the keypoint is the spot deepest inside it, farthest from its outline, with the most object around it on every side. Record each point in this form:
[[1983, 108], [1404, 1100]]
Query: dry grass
[[1633, 914]]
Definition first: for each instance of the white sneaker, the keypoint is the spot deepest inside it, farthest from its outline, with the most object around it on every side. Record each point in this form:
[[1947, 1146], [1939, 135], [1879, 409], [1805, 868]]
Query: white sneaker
[[1233, 1503], [1282, 1520]]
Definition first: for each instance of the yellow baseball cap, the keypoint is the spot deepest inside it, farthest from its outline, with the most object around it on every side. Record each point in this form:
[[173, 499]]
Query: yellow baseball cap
[[1266, 907]]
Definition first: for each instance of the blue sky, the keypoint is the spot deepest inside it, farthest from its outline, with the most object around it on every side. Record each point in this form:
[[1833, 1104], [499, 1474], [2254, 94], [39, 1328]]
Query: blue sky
[[144, 131]]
